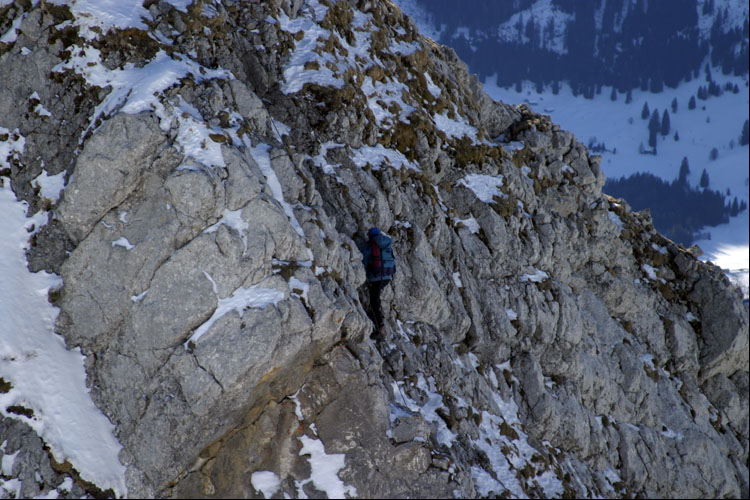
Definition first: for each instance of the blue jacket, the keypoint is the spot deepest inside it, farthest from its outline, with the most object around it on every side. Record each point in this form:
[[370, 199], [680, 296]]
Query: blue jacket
[[384, 242]]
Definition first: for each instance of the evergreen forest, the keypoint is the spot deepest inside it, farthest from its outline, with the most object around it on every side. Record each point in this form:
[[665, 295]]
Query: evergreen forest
[[678, 210], [655, 44]]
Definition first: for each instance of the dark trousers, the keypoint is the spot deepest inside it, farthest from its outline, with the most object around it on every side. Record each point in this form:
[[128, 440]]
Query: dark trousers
[[375, 288]]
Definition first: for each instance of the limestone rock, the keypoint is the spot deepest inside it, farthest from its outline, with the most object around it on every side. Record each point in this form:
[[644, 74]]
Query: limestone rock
[[216, 287]]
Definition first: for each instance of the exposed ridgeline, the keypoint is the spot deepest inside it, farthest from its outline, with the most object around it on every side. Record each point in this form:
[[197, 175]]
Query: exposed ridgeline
[[223, 160]]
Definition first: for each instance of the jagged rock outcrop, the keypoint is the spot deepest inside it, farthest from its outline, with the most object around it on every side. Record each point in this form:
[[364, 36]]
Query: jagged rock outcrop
[[545, 339]]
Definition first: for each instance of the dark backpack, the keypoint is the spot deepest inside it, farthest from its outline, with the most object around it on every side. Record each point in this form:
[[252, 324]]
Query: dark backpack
[[383, 262]]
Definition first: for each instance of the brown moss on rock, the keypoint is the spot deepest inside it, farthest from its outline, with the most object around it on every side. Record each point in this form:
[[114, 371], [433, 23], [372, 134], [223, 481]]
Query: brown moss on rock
[[378, 42], [469, 153], [542, 184], [530, 121], [130, 45], [377, 73], [312, 65], [404, 136], [523, 157], [331, 45], [339, 18]]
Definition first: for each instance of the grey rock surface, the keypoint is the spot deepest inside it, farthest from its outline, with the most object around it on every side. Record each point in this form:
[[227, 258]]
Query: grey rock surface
[[223, 310]]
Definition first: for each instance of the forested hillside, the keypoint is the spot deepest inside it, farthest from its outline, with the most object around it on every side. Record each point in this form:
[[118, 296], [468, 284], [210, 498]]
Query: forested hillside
[[622, 43]]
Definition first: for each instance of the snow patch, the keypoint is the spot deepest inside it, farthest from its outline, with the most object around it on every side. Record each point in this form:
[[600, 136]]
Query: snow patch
[[375, 156], [470, 223], [433, 402], [309, 64], [233, 219], [542, 13], [431, 87], [325, 469], [50, 186], [321, 161], [662, 250], [485, 187], [11, 35], [455, 129], [6, 466], [262, 157], [46, 377], [11, 148], [384, 96], [616, 219], [266, 482], [650, 271], [105, 15], [299, 289], [137, 89], [536, 277], [123, 242], [507, 449], [38, 108], [241, 299], [404, 48], [648, 359], [457, 280]]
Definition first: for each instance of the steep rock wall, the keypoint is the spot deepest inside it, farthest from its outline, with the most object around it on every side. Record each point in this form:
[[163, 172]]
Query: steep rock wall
[[544, 339]]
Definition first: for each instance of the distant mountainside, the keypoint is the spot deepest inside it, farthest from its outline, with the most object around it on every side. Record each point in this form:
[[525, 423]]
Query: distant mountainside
[[627, 44]]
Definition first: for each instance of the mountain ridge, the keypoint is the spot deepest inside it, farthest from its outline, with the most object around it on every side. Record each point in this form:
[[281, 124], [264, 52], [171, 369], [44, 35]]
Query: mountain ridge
[[544, 337]]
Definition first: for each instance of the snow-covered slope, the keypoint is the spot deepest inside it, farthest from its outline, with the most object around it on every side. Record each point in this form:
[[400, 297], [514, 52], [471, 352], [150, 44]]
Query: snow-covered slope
[[47, 381]]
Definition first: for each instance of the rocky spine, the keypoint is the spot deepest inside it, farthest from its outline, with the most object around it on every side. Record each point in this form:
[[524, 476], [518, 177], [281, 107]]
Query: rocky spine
[[546, 341]]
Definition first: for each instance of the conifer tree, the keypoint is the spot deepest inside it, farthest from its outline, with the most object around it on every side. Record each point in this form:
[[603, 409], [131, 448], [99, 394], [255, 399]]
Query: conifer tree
[[684, 171], [744, 139], [613, 95], [654, 124], [714, 154], [676, 136], [665, 125], [735, 207], [629, 97], [704, 179], [645, 111], [674, 105], [691, 104]]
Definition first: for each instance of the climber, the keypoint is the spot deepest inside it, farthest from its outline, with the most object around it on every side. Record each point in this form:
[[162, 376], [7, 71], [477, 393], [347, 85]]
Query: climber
[[380, 265]]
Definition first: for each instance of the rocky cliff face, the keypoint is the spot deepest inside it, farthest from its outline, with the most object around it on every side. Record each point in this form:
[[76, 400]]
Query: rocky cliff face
[[222, 162]]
